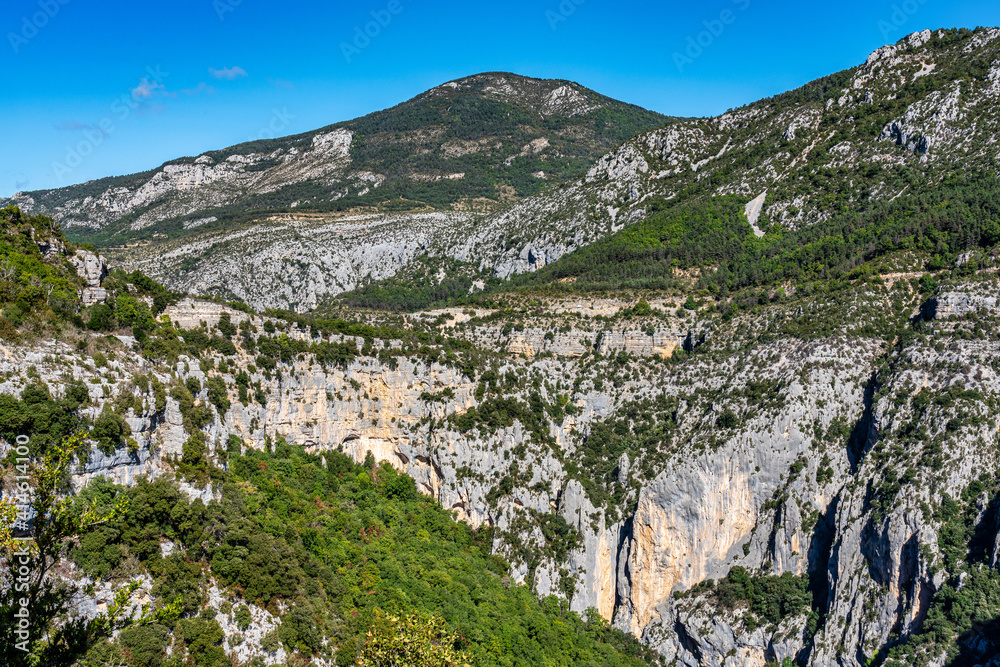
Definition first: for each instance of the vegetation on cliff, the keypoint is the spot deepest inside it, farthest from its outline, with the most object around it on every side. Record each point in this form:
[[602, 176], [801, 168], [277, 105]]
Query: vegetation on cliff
[[33, 282], [338, 546], [960, 215]]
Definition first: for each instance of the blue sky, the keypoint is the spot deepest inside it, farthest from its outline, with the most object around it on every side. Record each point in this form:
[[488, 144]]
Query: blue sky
[[93, 89]]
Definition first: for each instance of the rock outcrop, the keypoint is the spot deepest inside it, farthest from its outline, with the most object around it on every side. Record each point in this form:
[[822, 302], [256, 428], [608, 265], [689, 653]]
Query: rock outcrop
[[93, 269]]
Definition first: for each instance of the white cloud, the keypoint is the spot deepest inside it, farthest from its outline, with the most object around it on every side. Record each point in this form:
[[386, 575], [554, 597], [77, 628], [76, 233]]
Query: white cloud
[[201, 88], [145, 89], [227, 73]]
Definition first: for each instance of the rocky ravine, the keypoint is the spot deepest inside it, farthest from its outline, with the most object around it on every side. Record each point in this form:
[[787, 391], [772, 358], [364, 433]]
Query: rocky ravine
[[795, 481], [292, 262]]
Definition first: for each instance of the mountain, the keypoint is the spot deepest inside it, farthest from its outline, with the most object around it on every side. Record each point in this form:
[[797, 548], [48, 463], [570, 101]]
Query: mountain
[[682, 424], [916, 116], [814, 162], [470, 143], [827, 160], [287, 222]]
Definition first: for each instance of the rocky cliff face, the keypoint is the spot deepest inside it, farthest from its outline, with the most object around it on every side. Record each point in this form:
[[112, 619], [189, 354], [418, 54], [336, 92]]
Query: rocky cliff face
[[93, 269], [293, 262], [777, 453]]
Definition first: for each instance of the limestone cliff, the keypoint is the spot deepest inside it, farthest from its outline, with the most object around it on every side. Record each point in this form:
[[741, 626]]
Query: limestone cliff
[[773, 455]]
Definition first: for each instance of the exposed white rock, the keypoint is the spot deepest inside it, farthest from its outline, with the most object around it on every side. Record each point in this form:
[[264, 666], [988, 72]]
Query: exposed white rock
[[568, 101], [292, 262], [336, 144], [94, 269], [918, 39], [994, 80], [753, 210], [245, 644], [191, 224], [929, 123]]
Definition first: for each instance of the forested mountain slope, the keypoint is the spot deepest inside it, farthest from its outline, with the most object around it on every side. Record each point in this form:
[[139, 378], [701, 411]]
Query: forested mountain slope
[[830, 174], [285, 222], [843, 156]]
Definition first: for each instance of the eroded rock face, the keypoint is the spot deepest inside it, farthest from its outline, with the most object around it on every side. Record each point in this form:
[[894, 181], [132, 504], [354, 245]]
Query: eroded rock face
[[688, 633], [294, 262], [773, 457], [932, 122], [958, 303], [94, 269], [681, 535]]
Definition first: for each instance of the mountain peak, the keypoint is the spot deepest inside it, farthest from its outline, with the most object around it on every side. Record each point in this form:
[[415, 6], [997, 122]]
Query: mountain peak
[[544, 96]]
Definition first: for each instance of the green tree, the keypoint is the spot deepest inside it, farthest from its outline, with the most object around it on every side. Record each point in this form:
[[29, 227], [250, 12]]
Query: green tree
[[130, 312], [110, 430], [203, 638], [218, 395], [102, 318], [226, 326], [45, 634], [411, 641]]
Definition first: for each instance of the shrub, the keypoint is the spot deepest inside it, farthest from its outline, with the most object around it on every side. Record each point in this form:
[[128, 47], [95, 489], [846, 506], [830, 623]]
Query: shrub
[[203, 638], [242, 616], [412, 641], [109, 430], [769, 597], [727, 419], [102, 318], [298, 631], [217, 394], [226, 326], [145, 644]]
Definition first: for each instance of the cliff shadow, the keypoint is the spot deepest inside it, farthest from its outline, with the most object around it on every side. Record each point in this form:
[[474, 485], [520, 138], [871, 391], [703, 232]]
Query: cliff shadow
[[861, 438]]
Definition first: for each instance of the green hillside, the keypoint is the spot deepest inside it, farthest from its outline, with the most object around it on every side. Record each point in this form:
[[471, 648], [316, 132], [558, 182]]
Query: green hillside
[[961, 215]]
